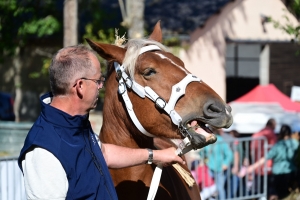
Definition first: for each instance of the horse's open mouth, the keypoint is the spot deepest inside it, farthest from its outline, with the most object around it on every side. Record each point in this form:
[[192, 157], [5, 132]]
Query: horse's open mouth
[[198, 127], [200, 133]]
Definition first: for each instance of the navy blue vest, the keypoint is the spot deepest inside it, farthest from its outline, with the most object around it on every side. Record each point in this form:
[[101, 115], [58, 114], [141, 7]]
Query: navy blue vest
[[71, 140]]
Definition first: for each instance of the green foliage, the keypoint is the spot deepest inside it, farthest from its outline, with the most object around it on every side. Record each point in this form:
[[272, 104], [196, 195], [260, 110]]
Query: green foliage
[[20, 20], [27, 19], [296, 7], [171, 41], [40, 27], [288, 27], [105, 36], [43, 71]]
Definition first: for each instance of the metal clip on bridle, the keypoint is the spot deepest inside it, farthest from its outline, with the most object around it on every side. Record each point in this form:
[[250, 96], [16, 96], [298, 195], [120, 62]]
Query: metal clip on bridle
[[118, 74], [186, 145]]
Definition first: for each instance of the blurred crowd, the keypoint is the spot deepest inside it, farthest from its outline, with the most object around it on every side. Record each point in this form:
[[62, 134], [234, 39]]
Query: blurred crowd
[[265, 166]]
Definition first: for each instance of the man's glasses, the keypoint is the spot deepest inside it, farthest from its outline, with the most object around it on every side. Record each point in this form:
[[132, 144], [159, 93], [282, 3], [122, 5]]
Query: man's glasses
[[100, 82]]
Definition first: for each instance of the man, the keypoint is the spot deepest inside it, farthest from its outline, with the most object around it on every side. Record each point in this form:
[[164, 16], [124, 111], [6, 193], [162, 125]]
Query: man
[[61, 158], [258, 151]]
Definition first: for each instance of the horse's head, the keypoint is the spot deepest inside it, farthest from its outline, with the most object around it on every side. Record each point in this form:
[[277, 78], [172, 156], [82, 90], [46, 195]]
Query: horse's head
[[167, 101]]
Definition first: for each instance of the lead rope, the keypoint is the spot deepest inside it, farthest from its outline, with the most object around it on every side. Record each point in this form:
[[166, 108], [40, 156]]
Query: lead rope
[[184, 147]]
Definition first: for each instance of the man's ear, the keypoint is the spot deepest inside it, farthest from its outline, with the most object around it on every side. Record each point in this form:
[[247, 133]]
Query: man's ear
[[79, 87]]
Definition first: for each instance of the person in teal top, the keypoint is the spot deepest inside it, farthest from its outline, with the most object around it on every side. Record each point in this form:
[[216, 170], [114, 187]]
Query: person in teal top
[[219, 158], [283, 156]]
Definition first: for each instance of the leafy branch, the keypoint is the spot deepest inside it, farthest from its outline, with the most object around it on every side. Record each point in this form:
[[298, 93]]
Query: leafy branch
[[289, 27]]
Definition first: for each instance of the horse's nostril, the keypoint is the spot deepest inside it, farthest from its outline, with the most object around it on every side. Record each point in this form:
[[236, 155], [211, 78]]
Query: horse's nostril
[[228, 108], [214, 108]]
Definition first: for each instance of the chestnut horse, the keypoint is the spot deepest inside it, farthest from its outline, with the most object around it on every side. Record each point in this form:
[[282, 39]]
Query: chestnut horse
[[140, 80]]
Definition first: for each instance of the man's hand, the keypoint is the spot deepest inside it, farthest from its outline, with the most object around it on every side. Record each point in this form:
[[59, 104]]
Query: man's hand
[[166, 157]]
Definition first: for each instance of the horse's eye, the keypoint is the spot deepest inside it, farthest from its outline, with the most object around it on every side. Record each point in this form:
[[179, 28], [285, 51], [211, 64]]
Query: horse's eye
[[149, 72]]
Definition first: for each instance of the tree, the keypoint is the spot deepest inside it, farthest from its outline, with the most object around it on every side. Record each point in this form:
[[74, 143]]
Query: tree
[[19, 21], [133, 17], [293, 7], [70, 22]]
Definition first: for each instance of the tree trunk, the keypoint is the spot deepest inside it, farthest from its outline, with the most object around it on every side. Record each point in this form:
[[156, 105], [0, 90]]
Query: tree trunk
[[70, 22], [133, 18], [17, 82], [135, 10]]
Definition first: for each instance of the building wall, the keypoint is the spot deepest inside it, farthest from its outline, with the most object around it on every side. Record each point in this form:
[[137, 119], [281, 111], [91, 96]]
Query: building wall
[[239, 20], [285, 66]]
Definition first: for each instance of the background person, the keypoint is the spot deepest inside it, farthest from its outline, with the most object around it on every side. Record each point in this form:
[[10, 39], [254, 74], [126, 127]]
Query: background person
[[219, 159], [238, 158], [61, 157], [258, 151], [295, 135], [282, 154], [202, 177]]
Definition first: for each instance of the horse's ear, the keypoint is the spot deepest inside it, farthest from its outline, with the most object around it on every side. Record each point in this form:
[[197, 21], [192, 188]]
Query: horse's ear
[[108, 51], [156, 34]]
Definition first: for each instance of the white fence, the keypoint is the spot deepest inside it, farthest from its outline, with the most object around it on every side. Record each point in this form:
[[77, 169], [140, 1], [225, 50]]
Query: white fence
[[12, 136], [11, 180], [252, 186]]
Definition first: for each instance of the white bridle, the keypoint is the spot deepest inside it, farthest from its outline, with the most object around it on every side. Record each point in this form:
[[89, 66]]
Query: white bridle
[[177, 91]]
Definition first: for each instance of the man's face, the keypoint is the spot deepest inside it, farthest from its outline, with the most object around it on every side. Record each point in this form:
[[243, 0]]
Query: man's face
[[92, 87]]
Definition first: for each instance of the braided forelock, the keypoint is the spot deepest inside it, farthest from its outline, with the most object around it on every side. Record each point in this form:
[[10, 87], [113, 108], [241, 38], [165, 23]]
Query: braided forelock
[[133, 48], [67, 66]]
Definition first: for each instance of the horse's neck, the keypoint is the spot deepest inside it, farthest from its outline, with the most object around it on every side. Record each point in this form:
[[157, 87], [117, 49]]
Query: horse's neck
[[117, 127]]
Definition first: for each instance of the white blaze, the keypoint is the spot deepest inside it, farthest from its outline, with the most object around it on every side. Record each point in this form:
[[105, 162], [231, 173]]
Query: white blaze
[[171, 61]]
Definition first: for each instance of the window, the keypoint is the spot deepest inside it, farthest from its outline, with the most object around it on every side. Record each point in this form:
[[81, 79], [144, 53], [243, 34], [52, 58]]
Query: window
[[243, 60]]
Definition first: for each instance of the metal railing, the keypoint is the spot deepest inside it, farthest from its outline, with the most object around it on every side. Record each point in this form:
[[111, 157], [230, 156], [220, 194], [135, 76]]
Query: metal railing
[[12, 136], [11, 180], [252, 186], [12, 184]]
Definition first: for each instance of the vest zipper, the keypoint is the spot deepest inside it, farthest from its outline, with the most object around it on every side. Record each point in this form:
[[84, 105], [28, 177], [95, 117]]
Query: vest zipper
[[98, 166]]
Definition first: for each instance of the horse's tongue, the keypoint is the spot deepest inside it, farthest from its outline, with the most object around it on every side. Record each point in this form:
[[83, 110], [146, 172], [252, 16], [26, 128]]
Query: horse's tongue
[[194, 123], [200, 129]]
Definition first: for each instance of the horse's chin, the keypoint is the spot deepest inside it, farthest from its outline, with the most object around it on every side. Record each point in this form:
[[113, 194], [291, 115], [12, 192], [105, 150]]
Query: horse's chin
[[201, 135]]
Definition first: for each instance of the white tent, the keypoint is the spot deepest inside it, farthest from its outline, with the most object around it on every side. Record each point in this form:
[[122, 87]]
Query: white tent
[[249, 118], [252, 110]]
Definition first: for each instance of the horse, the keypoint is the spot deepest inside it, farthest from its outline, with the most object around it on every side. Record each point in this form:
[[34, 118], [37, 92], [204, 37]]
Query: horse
[[144, 78]]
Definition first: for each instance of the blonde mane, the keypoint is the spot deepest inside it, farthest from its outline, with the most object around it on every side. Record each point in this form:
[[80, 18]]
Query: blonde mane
[[133, 48]]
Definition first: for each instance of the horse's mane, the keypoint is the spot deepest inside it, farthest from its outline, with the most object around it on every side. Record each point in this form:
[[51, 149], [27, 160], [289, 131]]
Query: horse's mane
[[133, 48]]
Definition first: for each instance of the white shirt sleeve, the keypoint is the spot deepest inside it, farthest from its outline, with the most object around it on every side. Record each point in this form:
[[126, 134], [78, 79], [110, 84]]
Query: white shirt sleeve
[[98, 140], [44, 176]]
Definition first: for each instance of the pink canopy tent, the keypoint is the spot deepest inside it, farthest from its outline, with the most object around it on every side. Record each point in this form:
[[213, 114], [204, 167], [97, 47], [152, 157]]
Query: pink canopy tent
[[269, 94], [252, 110]]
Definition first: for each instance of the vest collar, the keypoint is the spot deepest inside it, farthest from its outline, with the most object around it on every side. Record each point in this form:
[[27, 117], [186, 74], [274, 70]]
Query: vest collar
[[58, 117]]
